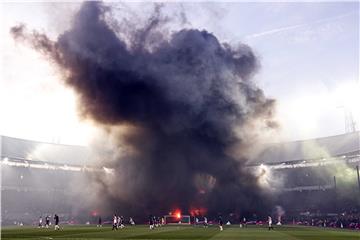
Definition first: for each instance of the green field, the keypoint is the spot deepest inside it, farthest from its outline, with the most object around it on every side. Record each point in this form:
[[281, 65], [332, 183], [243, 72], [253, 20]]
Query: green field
[[175, 232]]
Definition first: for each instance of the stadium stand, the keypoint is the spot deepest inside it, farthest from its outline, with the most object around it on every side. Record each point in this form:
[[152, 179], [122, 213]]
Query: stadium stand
[[316, 177]]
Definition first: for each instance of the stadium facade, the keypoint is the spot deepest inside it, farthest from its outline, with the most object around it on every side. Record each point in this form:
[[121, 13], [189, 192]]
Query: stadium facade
[[39, 179]]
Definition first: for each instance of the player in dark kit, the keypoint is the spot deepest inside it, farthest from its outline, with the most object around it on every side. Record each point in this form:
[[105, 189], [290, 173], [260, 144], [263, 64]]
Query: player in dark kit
[[151, 222], [154, 221], [47, 221], [244, 222], [220, 223], [56, 218], [99, 222]]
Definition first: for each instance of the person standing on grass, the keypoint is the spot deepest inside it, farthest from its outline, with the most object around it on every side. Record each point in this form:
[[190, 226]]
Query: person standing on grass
[[40, 222], [100, 222], [151, 222], [56, 218], [118, 222], [155, 221], [114, 226], [47, 221], [131, 221], [122, 222], [205, 222], [220, 223], [270, 223]]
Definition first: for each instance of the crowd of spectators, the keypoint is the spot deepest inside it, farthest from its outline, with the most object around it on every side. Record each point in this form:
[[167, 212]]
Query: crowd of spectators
[[349, 220]]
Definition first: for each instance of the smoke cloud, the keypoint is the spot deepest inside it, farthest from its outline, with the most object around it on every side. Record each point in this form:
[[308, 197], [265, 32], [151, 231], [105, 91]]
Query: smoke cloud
[[177, 105]]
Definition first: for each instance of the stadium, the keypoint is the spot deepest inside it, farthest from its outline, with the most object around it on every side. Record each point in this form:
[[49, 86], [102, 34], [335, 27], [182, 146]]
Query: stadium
[[311, 186], [186, 120]]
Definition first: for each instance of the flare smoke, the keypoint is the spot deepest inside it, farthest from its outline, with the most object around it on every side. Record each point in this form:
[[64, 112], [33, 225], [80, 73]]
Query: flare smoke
[[184, 103]]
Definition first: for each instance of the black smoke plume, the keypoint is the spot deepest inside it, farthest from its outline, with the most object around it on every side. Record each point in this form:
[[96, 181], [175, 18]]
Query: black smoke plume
[[184, 102]]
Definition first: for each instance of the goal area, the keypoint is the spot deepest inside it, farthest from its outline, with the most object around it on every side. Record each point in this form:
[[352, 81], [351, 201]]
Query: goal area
[[175, 219]]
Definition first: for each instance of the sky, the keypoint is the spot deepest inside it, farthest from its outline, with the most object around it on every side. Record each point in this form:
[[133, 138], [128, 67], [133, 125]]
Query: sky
[[309, 54]]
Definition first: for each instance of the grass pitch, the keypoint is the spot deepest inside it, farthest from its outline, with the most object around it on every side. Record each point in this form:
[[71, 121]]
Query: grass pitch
[[179, 232]]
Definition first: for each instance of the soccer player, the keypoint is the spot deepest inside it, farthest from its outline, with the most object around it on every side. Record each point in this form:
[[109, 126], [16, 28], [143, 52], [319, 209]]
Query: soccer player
[[47, 221], [151, 222], [131, 221], [56, 217], [205, 222], [220, 223], [99, 222], [115, 220], [40, 222], [122, 221], [157, 221], [270, 223]]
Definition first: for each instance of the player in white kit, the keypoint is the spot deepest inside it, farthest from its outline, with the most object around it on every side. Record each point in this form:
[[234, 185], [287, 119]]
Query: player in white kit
[[270, 223], [114, 226]]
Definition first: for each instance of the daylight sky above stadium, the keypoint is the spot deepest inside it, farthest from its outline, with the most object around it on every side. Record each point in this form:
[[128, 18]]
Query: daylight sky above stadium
[[309, 55]]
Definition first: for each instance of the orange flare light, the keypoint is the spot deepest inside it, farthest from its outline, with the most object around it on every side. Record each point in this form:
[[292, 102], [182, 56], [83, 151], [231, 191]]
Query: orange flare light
[[178, 214]]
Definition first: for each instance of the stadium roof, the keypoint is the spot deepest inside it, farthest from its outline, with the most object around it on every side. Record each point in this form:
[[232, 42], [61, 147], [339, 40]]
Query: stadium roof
[[22, 149], [333, 146]]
